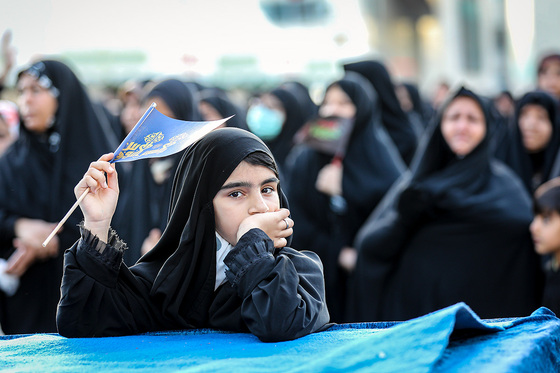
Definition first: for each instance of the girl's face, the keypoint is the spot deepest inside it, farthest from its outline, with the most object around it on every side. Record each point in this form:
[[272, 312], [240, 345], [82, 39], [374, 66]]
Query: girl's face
[[545, 230], [535, 127], [249, 190], [36, 104], [463, 125], [337, 104]]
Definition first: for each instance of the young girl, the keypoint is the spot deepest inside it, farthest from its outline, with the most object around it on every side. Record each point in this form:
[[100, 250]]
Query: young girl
[[545, 230], [222, 261]]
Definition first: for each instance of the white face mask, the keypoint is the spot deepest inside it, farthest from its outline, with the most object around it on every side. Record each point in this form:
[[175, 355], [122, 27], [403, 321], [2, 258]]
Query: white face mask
[[264, 122]]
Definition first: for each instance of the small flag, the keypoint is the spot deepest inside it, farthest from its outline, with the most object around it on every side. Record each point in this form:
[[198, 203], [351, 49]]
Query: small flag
[[156, 135]]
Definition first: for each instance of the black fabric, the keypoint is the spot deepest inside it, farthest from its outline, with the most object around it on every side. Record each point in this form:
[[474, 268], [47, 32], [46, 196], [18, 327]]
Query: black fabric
[[394, 118], [296, 105], [533, 169], [223, 105], [551, 293], [172, 287], [422, 109], [37, 177], [370, 167], [452, 229], [142, 197]]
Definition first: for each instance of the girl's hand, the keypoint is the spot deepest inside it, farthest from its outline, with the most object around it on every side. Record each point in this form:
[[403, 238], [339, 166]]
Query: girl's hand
[[100, 203], [277, 225]]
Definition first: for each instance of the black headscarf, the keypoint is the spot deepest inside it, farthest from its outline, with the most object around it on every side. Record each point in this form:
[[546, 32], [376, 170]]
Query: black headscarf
[[55, 160], [301, 93], [452, 229], [37, 177], [297, 114], [545, 162], [370, 166], [182, 265], [394, 118], [142, 197], [372, 162], [223, 105], [419, 105]]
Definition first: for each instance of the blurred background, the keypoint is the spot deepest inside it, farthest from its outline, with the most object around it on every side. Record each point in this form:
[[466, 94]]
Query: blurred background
[[491, 45]]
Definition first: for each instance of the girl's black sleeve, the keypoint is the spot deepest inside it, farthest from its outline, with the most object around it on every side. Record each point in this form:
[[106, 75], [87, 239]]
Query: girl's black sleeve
[[283, 291], [99, 294]]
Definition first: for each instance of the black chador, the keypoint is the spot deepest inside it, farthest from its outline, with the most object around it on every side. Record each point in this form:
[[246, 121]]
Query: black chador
[[276, 294], [453, 229]]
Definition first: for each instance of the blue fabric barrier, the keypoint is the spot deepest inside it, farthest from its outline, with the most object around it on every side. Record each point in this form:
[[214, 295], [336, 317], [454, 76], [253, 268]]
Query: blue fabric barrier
[[452, 339]]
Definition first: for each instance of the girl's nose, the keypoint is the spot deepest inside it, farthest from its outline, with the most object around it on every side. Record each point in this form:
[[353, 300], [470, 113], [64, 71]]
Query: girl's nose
[[258, 205]]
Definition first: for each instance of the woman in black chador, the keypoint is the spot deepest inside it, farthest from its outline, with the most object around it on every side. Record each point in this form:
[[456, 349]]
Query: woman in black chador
[[222, 262], [393, 117], [333, 193], [61, 133], [453, 229], [531, 145], [215, 104]]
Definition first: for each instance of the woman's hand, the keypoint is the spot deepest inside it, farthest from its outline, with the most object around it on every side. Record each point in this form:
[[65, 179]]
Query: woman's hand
[[100, 203], [347, 259], [329, 179], [28, 244], [277, 225], [151, 240]]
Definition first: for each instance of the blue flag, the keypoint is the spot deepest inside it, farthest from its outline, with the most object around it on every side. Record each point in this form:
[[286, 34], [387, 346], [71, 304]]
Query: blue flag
[[156, 135]]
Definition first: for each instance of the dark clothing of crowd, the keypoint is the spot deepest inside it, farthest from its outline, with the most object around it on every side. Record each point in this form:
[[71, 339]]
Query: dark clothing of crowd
[[428, 228]]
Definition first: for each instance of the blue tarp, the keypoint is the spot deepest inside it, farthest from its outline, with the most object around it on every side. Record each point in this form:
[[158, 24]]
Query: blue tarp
[[452, 339]]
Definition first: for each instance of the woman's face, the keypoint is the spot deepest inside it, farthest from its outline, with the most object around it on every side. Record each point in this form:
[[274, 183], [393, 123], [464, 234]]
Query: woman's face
[[6, 137], [337, 104], [463, 125], [549, 78], [535, 127], [249, 190], [131, 112], [37, 105], [161, 106], [208, 112]]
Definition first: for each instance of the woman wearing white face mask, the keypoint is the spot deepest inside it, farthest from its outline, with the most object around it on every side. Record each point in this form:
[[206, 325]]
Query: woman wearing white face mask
[[277, 116]]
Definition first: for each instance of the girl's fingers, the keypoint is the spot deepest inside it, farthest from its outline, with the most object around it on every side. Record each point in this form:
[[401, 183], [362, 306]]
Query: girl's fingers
[[280, 242], [106, 157], [92, 183], [102, 166], [98, 176], [112, 179]]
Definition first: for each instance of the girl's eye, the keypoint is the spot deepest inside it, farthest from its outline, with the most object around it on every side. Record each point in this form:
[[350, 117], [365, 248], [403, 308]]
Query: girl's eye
[[268, 190], [236, 194]]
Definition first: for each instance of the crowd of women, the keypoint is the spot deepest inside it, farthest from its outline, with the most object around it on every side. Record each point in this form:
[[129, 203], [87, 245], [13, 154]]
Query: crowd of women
[[411, 207]]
